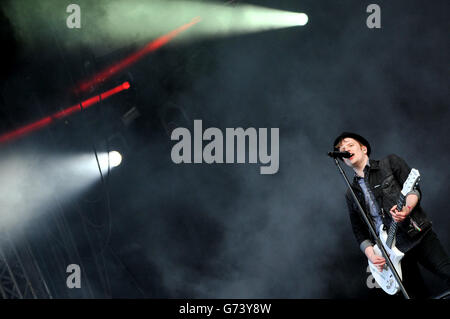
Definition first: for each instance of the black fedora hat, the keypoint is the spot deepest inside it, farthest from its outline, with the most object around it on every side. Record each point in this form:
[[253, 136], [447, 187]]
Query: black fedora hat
[[355, 136]]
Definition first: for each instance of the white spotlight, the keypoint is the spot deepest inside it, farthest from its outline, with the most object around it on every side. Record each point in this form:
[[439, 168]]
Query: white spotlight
[[111, 160], [115, 158], [302, 18]]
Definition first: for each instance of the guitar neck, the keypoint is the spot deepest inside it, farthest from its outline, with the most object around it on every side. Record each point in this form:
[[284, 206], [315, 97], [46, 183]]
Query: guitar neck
[[394, 225]]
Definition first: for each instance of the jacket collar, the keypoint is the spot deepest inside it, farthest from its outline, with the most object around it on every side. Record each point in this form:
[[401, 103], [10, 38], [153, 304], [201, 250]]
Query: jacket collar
[[374, 164]]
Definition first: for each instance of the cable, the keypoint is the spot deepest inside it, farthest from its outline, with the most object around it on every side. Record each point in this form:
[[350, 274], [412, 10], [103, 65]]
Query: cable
[[105, 189]]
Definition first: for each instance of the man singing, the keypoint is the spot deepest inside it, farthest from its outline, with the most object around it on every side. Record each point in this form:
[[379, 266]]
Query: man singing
[[377, 185]]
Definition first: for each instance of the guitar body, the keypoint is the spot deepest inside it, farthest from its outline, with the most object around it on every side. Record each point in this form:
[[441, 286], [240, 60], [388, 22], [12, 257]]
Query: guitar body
[[385, 278]]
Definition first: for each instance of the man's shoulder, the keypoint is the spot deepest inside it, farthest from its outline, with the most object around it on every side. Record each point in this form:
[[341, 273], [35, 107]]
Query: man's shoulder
[[393, 156], [389, 160], [389, 157]]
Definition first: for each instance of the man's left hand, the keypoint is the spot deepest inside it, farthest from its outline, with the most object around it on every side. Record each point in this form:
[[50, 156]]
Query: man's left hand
[[399, 216]]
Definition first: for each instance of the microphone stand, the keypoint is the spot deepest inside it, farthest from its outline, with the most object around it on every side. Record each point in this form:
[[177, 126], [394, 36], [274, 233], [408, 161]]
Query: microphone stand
[[373, 232]]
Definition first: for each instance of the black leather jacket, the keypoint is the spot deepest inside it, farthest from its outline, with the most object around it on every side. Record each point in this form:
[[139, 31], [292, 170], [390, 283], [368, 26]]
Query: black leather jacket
[[385, 179]]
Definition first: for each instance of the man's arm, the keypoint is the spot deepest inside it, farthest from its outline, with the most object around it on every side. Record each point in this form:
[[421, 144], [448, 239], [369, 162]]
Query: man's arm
[[401, 171], [378, 261], [359, 228], [362, 234]]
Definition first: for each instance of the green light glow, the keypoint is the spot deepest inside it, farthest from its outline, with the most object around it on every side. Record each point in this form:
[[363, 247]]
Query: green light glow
[[111, 24]]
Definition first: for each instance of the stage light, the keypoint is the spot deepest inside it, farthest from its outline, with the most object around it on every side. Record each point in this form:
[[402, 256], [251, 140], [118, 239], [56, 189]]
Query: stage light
[[294, 19], [115, 158], [126, 85], [302, 18], [109, 160], [116, 23]]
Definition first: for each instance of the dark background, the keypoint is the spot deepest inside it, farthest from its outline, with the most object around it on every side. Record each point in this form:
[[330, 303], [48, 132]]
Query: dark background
[[155, 229]]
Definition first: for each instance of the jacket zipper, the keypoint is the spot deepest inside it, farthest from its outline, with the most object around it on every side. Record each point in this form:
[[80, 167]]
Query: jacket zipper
[[415, 224]]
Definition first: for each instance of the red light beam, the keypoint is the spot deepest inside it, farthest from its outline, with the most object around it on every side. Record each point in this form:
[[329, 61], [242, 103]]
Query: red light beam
[[7, 137], [133, 58]]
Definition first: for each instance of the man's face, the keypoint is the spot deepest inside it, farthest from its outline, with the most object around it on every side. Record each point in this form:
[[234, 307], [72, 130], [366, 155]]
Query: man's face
[[353, 147]]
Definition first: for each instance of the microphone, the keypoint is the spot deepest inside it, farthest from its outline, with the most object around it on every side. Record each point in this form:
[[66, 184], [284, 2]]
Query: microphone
[[336, 154]]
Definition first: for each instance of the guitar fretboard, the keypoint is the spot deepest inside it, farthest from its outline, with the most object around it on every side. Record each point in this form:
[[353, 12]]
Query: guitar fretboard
[[394, 225]]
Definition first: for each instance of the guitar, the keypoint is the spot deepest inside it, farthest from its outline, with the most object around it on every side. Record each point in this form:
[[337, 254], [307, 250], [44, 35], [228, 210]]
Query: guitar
[[385, 278]]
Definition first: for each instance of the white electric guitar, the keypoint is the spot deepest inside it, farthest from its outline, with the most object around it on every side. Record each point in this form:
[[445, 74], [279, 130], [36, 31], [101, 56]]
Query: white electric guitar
[[385, 278]]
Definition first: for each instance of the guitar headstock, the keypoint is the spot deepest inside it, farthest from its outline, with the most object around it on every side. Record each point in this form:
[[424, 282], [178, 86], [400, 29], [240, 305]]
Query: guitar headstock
[[411, 182]]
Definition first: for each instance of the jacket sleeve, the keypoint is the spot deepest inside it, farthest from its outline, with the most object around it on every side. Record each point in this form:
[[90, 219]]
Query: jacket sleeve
[[359, 227], [401, 170]]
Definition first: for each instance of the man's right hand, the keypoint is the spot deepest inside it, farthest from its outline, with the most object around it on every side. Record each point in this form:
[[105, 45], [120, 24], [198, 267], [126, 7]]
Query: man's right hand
[[378, 261]]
